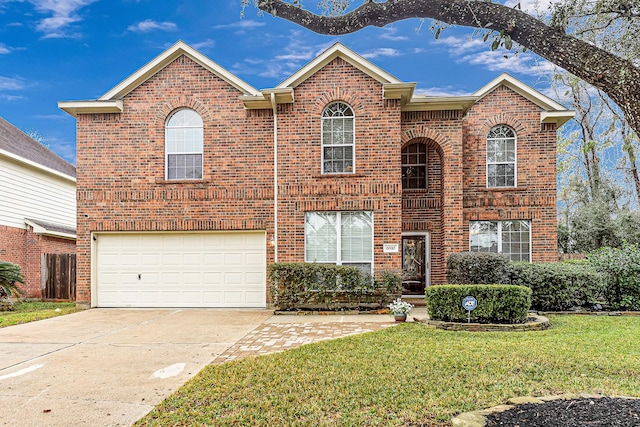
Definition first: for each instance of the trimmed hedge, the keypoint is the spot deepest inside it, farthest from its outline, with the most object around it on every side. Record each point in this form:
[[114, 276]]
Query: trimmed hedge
[[311, 286], [496, 303], [560, 286], [478, 268]]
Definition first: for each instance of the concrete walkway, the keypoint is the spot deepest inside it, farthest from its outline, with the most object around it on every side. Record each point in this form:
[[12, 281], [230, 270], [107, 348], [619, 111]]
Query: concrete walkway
[[109, 367]]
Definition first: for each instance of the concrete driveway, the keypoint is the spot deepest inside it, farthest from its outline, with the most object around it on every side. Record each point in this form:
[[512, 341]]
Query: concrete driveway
[[109, 367]]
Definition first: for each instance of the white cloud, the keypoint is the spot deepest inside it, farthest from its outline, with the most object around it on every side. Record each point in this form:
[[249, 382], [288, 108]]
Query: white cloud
[[292, 57], [389, 33], [497, 62], [383, 51], [204, 44], [149, 25], [441, 91], [533, 7], [64, 13], [4, 50], [8, 83], [243, 24], [459, 45]]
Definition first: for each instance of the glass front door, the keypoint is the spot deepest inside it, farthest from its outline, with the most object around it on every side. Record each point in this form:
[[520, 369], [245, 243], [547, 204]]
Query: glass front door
[[414, 264]]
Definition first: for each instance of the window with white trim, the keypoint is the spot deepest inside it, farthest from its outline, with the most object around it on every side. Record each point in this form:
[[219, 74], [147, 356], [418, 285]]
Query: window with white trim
[[183, 145], [414, 166], [341, 238], [338, 139], [512, 238], [501, 157]]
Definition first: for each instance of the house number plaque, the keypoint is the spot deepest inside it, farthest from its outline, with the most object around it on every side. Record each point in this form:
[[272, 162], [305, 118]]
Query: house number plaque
[[390, 247]]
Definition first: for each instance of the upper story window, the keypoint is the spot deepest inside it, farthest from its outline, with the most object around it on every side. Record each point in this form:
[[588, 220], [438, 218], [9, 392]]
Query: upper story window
[[501, 157], [414, 166], [183, 145], [338, 129]]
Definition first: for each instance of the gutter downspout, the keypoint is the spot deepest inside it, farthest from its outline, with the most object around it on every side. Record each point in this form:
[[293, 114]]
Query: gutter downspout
[[274, 105]]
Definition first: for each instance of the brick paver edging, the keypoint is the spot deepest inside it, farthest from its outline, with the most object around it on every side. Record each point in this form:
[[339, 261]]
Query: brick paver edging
[[537, 323], [479, 418], [277, 337]]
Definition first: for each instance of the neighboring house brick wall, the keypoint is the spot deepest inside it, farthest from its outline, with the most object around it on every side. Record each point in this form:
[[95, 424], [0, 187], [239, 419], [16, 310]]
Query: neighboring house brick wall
[[25, 248]]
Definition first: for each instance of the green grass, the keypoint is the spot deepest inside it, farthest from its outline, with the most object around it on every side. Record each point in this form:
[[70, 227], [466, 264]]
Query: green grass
[[31, 311], [409, 375]]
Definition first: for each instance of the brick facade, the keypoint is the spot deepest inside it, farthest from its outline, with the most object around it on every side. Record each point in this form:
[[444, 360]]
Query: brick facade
[[26, 248], [121, 157]]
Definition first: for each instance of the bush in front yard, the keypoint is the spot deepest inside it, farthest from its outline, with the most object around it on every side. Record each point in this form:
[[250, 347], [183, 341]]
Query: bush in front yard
[[496, 303], [559, 285], [296, 286], [10, 274], [621, 269], [477, 268]]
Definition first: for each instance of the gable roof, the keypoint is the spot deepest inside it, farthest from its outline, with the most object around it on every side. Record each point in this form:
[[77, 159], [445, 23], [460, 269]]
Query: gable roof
[[553, 112], [338, 50], [19, 146], [111, 102]]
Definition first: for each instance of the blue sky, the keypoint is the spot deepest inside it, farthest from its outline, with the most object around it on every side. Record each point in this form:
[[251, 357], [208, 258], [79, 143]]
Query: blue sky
[[63, 50]]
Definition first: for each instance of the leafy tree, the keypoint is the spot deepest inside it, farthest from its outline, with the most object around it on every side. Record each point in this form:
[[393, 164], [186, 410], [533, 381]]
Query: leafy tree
[[555, 40], [10, 274], [621, 267]]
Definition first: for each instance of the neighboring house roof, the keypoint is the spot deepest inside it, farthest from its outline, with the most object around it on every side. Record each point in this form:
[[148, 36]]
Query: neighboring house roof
[[50, 229], [18, 145], [111, 102]]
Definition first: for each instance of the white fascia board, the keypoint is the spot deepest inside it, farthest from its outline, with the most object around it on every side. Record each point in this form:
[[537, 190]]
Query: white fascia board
[[164, 59], [557, 117], [402, 91], [526, 91], [35, 165], [263, 100], [434, 103], [91, 107], [335, 51], [38, 229]]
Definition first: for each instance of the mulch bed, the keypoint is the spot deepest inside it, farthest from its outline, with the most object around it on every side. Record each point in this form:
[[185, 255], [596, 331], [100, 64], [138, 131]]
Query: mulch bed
[[585, 412]]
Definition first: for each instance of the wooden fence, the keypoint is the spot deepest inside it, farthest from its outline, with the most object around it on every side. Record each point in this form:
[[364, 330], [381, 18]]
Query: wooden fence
[[59, 277]]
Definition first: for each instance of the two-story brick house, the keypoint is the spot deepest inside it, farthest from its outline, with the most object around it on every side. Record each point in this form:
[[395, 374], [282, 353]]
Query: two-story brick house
[[190, 181]]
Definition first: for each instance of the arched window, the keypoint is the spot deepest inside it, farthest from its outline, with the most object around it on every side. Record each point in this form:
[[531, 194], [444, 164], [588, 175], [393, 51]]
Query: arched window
[[338, 139], [183, 145], [501, 157], [414, 166]]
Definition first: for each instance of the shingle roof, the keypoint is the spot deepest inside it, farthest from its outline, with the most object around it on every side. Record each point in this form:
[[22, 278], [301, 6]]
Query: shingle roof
[[17, 142]]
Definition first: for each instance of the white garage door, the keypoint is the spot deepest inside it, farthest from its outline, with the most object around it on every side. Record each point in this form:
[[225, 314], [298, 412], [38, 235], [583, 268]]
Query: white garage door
[[181, 269]]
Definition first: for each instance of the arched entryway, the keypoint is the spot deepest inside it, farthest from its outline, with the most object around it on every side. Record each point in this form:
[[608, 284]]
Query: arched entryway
[[422, 254]]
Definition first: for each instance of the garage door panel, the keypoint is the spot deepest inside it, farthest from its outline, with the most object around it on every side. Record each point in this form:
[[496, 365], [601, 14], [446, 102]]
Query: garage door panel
[[181, 270]]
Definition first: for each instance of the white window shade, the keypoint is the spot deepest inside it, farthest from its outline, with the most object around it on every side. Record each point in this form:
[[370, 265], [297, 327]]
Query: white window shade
[[340, 238]]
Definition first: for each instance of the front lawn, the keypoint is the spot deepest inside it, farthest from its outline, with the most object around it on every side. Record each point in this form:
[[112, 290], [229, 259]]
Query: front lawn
[[30, 311], [410, 375]]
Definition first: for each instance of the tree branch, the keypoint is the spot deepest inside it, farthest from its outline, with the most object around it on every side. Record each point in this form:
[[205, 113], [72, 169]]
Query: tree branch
[[617, 77]]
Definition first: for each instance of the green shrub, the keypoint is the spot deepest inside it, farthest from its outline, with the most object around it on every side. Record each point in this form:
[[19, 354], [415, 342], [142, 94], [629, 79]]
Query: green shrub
[[296, 286], [621, 268], [10, 274], [559, 285], [496, 303], [478, 268]]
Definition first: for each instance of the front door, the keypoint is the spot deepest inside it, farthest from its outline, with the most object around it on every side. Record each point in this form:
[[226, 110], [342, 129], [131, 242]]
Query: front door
[[415, 264]]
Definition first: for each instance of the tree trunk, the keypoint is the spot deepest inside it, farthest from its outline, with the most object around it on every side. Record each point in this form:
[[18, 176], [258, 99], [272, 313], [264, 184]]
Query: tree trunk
[[615, 76]]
